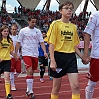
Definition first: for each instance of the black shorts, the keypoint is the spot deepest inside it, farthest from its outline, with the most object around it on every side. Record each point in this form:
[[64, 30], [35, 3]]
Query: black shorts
[[66, 63], [5, 66], [43, 61]]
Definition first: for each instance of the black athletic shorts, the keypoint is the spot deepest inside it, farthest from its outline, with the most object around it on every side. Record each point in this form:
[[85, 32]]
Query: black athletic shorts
[[5, 66], [66, 63], [43, 61]]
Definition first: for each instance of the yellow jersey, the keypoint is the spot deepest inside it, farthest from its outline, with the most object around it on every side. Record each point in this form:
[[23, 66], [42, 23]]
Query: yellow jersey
[[63, 36], [5, 49]]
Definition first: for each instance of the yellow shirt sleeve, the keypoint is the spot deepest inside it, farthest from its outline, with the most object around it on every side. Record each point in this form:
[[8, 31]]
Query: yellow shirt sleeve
[[51, 34], [76, 38]]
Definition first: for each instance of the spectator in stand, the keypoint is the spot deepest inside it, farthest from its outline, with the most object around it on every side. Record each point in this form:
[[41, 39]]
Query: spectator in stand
[[4, 5], [15, 9], [20, 9]]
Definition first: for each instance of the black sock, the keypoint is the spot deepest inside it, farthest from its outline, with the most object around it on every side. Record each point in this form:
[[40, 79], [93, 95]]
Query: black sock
[[42, 71]]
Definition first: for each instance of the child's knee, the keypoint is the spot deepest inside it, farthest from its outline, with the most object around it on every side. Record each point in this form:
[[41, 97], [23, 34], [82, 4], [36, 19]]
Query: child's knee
[[75, 87]]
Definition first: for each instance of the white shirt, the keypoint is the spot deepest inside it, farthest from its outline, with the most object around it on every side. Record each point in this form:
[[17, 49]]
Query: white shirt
[[30, 39], [14, 39], [93, 29]]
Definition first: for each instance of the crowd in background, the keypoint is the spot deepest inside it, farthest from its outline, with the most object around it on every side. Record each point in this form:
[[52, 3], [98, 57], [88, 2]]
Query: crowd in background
[[5, 18], [44, 18]]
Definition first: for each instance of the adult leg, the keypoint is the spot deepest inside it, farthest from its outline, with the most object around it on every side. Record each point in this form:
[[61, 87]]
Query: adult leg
[[31, 64], [23, 69], [29, 79], [73, 79], [56, 87], [90, 89]]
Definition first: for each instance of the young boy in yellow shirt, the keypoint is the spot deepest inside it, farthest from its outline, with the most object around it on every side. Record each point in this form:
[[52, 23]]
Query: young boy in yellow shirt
[[63, 40]]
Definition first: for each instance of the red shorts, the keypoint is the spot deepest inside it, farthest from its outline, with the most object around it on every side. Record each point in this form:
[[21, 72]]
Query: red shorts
[[30, 61], [16, 65], [93, 74]]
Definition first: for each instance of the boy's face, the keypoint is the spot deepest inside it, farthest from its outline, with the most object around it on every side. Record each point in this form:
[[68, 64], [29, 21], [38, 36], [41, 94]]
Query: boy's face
[[14, 30], [67, 11]]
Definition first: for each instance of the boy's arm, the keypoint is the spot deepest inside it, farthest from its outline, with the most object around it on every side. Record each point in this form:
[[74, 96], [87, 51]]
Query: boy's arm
[[51, 51], [78, 52], [86, 44], [12, 49], [52, 59], [86, 58], [16, 50]]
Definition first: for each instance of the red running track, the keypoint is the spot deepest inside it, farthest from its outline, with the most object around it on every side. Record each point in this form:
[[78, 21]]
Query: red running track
[[42, 90]]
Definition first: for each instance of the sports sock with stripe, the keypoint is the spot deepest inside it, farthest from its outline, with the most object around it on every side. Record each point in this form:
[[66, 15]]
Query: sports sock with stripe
[[12, 78], [29, 81], [90, 89], [75, 96], [54, 96], [7, 87]]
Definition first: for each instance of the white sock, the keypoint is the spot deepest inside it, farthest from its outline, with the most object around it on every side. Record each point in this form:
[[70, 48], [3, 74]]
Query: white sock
[[12, 78], [29, 85], [90, 89]]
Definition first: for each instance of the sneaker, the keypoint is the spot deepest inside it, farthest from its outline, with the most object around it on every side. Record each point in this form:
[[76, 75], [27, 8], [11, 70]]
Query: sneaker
[[41, 80], [9, 96], [30, 95], [13, 88], [51, 78]]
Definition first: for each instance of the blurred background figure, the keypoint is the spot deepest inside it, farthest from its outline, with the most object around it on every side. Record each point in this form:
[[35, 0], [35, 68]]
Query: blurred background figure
[[43, 62], [15, 65]]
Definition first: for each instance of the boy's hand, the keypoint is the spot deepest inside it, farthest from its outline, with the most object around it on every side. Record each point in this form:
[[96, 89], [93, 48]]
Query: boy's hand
[[46, 55], [0, 60], [53, 65], [16, 57], [86, 59]]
